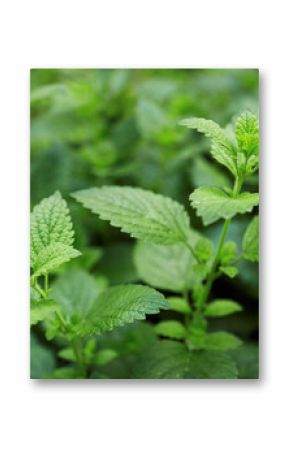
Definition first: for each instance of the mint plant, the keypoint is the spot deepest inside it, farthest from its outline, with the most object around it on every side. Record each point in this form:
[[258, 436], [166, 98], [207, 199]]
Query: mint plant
[[78, 309], [171, 255]]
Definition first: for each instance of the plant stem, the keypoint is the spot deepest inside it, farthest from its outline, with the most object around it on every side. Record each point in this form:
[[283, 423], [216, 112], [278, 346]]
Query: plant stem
[[212, 270], [46, 283], [77, 348], [215, 261]]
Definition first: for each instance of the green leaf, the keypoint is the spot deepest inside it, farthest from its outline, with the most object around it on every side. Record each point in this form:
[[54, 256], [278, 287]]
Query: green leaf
[[67, 354], [211, 365], [50, 223], [150, 118], [231, 272], [222, 307], [105, 356], [213, 204], [172, 360], [141, 213], [179, 305], [247, 133], [203, 250], [117, 306], [215, 341], [42, 360], [163, 360], [247, 360], [222, 148], [76, 291], [171, 329], [228, 252], [251, 241], [42, 310], [164, 267], [52, 256], [206, 173]]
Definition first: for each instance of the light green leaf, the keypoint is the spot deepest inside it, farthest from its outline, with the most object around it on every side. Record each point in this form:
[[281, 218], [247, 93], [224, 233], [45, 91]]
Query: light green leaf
[[50, 223], [141, 213], [230, 271], [222, 307], [171, 329], [222, 148], [179, 305], [228, 252], [172, 360], [213, 203], [150, 118], [117, 306], [76, 291], [67, 354], [251, 241], [164, 267], [207, 173], [203, 250], [51, 256], [215, 341], [42, 310], [247, 133], [105, 356]]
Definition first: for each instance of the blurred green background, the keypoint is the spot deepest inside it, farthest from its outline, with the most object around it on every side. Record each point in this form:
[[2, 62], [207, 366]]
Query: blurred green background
[[92, 127]]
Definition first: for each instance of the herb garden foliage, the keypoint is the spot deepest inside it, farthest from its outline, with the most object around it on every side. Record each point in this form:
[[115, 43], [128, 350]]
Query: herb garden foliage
[[144, 226]]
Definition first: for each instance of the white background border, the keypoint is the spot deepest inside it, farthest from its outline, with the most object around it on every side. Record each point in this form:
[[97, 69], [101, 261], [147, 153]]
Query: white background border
[[224, 33]]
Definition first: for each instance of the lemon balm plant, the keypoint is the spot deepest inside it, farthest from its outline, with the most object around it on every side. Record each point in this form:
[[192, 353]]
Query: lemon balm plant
[[169, 256]]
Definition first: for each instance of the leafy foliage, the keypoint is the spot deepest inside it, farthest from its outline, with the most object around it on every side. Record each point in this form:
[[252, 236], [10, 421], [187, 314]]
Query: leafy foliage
[[251, 241], [117, 306], [51, 235], [165, 267], [171, 328], [140, 213], [171, 360], [222, 307], [247, 133], [42, 310], [112, 129], [222, 149], [213, 204]]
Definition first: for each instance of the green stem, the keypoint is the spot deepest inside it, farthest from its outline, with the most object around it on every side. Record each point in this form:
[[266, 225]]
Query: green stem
[[214, 264], [39, 290], [215, 261], [77, 348], [46, 284]]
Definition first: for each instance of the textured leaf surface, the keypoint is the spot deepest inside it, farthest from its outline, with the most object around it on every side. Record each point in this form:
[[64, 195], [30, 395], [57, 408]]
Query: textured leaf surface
[[211, 365], [164, 267], [251, 241], [172, 360], [76, 291], [171, 329], [42, 310], [117, 306], [141, 213], [50, 223], [222, 307], [213, 203], [247, 133], [222, 148], [52, 256]]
